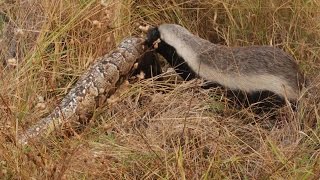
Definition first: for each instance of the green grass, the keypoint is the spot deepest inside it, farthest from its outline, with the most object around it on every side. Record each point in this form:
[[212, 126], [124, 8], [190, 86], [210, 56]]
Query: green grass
[[157, 129]]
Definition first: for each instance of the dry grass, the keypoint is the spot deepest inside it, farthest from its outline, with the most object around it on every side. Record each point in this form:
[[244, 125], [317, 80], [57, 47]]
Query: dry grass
[[158, 129]]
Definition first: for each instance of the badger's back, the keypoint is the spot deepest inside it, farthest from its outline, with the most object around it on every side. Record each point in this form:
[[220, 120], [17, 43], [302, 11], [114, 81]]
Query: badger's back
[[254, 68], [250, 69]]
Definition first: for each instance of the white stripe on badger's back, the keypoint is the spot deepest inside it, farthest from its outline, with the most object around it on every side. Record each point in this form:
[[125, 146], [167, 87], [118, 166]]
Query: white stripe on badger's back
[[178, 37]]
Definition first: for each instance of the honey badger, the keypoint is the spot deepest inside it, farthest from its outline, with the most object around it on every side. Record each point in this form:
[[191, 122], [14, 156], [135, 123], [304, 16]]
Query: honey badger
[[253, 70]]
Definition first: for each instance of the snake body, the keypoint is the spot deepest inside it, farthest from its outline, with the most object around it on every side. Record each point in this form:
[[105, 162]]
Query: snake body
[[98, 83]]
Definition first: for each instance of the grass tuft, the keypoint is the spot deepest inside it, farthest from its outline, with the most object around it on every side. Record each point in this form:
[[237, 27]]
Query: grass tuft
[[157, 129]]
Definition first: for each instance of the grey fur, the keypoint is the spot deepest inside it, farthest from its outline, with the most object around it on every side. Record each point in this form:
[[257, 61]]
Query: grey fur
[[249, 68]]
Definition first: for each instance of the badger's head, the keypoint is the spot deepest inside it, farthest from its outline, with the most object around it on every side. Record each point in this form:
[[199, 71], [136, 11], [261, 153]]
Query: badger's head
[[153, 37], [168, 40], [171, 34]]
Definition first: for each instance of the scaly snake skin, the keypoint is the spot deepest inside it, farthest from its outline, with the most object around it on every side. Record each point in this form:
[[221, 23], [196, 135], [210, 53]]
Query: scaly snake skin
[[99, 82]]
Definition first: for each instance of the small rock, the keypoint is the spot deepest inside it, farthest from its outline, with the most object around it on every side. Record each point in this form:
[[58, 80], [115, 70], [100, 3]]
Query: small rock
[[12, 62], [97, 23]]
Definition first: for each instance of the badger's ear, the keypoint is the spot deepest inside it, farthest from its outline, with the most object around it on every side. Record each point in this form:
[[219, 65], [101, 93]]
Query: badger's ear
[[153, 35]]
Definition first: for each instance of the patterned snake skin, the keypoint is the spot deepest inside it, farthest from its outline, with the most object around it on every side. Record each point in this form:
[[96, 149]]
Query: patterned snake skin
[[98, 83]]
